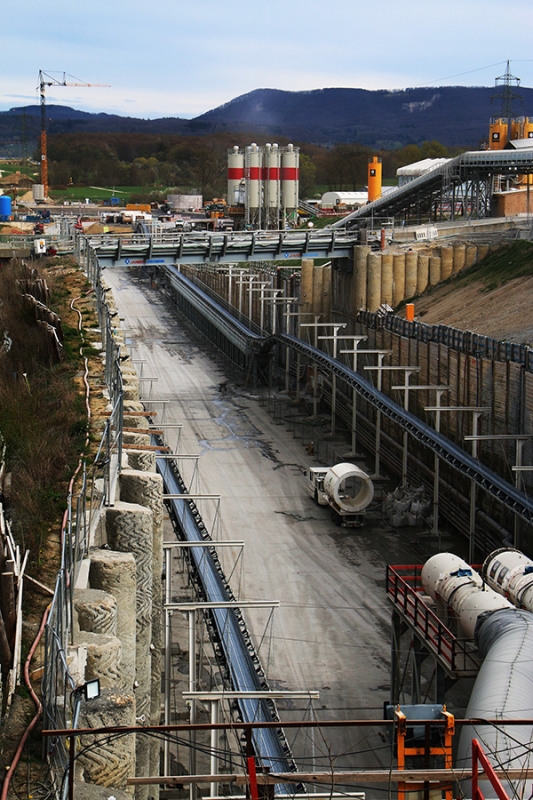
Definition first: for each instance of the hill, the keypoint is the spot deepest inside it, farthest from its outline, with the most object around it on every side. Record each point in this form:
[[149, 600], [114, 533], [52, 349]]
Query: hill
[[453, 115]]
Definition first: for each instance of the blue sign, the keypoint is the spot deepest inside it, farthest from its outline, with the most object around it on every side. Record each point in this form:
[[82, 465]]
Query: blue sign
[[155, 261]]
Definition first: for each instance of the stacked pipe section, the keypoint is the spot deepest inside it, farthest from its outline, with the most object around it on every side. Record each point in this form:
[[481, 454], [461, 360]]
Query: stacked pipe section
[[504, 686]]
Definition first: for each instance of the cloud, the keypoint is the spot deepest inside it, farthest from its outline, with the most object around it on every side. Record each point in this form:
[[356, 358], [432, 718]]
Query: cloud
[[182, 58]]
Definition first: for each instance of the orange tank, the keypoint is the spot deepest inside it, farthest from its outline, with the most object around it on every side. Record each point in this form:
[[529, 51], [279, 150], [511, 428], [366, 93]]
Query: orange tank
[[517, 128], [374, 178], [527, 132], [499, 131]]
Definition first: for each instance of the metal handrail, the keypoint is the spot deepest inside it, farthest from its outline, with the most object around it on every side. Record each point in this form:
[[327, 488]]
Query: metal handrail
[[60, 701], [439, 638]]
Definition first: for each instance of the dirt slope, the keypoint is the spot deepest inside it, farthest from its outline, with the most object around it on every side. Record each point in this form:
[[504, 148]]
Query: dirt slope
[[494, 298]]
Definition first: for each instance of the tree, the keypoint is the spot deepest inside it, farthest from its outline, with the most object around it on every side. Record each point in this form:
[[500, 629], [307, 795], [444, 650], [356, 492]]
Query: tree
[[307, 176]]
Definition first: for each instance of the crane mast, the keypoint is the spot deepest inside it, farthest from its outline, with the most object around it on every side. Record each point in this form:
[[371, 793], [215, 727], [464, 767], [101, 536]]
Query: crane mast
[[44, 81]]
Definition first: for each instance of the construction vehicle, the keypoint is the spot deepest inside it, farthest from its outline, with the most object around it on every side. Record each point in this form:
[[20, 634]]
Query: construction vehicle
[[345, 488]]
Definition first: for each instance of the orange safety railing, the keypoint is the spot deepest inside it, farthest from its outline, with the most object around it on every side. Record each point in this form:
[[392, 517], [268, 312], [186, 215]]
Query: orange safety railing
[[405, 591], [403, 751], [479, 757]]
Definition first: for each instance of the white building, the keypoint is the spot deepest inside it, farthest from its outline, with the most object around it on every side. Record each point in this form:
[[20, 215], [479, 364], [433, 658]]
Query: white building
[[412, 171], [349, 200]]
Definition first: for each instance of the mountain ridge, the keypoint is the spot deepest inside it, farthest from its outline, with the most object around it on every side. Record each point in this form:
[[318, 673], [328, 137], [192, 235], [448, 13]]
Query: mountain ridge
[[456, 116]]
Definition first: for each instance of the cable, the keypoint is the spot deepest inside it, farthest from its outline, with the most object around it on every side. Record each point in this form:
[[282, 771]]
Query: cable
[[460, 74], [38, 705]]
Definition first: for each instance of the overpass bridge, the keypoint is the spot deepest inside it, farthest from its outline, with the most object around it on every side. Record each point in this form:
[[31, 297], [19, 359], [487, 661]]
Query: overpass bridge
[[221, 248], [461, 187]]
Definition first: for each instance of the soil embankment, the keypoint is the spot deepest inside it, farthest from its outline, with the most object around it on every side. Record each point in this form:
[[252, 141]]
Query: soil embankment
[[494, 298]]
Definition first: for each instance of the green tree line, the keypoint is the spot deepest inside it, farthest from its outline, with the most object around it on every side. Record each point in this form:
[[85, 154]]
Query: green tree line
[[199, 163]]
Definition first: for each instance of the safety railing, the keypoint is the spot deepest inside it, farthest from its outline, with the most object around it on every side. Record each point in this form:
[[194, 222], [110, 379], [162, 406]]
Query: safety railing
[[404, 590], [479, 758], [94, 489]]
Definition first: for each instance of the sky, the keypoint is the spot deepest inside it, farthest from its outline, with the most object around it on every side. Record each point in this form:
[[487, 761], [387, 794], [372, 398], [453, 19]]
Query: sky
[[178, 58]]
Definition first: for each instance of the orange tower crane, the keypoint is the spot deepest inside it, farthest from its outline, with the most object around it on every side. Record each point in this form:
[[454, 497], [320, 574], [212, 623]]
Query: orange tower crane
[[44, 81]]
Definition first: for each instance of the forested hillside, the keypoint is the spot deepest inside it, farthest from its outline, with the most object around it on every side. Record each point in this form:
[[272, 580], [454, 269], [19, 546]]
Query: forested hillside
[[457, 116], [199, 163]]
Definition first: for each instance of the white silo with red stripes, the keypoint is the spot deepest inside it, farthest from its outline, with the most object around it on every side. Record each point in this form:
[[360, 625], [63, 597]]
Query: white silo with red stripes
[[272, 185], [235, 175], [253, 175], [290, 174]]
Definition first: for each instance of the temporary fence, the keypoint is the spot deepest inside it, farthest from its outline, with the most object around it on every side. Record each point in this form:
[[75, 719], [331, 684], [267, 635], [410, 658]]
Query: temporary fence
[[61, 701], [12, 568]]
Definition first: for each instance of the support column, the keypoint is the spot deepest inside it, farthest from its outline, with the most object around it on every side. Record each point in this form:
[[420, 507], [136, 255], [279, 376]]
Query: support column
[[422, 275], [146, 488], [97, 611], [416, 665], [326, 291], [386, 278], [411, 274], [459, 257], [470, 255], [396, 671], [318, 290], [115, 573], [446, 258], [129, 528], [374, 282], [104, 656], [398, 291], [360, 271], [434, 270], [104, 761]]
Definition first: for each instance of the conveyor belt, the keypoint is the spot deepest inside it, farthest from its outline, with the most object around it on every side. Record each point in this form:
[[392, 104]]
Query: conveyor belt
[[228, 628], [454, 455], [242, 337], [449, 452], [475, 164]]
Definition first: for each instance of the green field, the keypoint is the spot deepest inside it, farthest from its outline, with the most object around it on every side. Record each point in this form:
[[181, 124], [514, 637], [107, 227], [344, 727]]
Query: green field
[[79, 193], [10, 167]]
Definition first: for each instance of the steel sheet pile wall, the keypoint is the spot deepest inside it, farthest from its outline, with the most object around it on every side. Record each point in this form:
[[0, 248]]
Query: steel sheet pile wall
[[504, 386]]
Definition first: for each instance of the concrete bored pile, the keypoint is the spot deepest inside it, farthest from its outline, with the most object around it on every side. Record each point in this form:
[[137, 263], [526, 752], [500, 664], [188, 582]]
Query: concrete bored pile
[[118, 608], [391, 276]]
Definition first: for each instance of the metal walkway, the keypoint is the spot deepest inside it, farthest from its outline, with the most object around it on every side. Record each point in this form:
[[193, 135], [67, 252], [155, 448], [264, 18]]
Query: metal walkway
[[441, 184], [201, 248]]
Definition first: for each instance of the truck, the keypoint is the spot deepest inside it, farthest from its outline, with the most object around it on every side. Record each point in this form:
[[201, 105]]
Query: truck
[[345, 488]]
